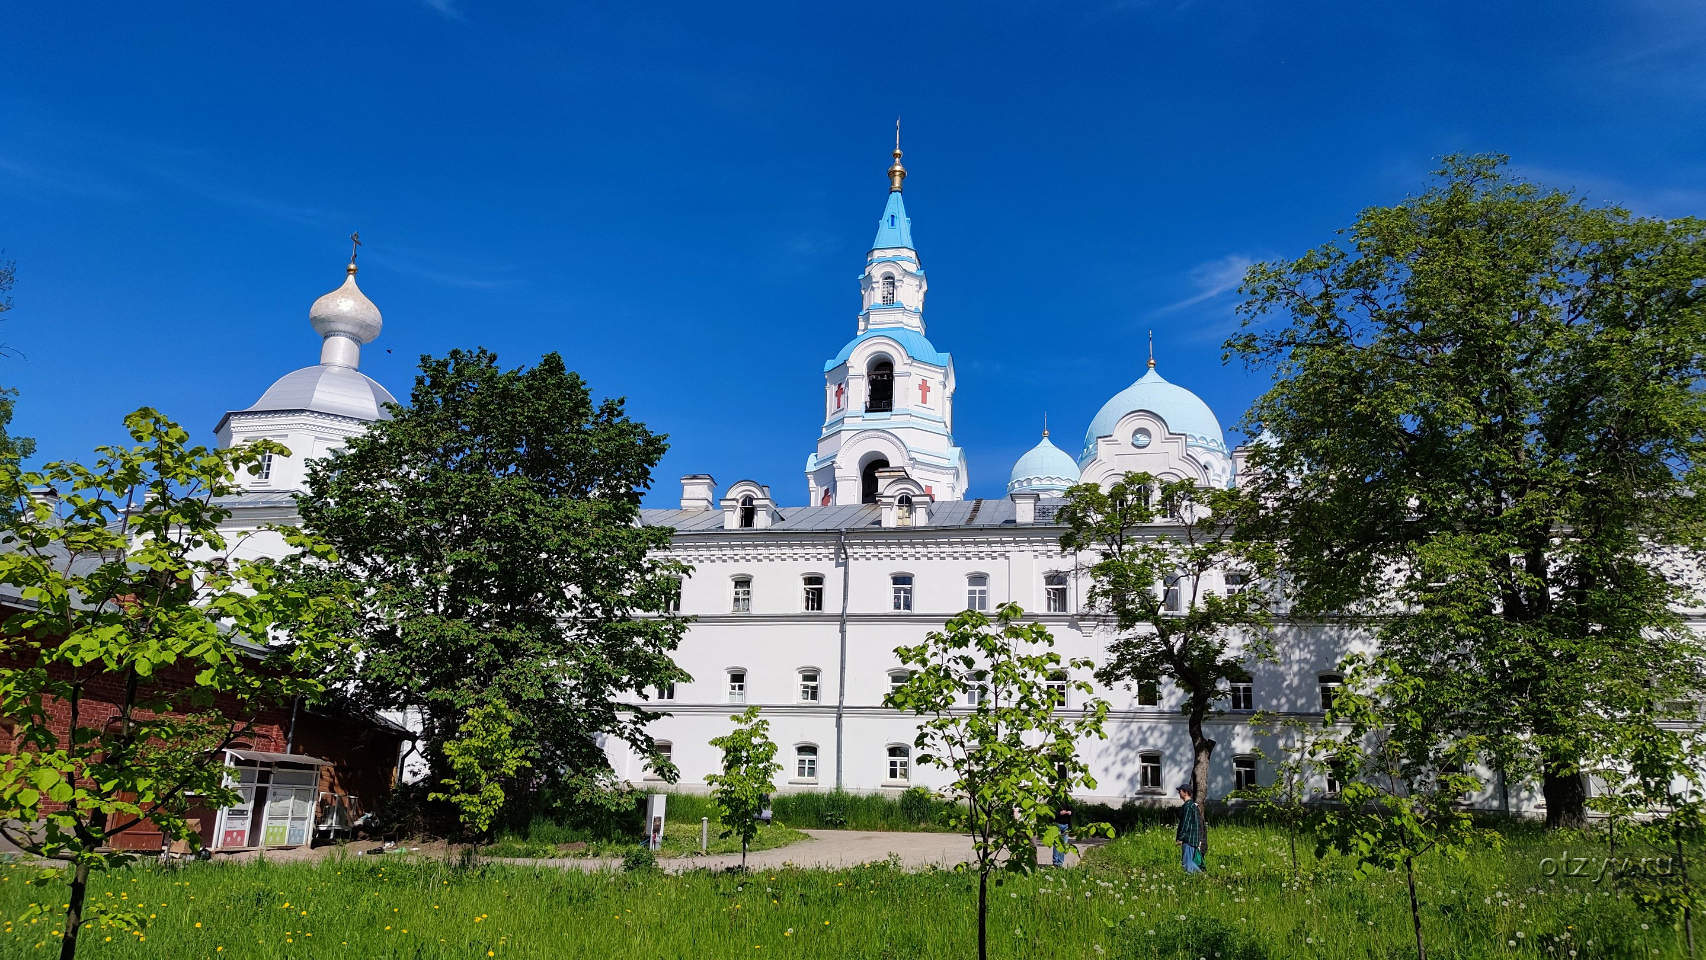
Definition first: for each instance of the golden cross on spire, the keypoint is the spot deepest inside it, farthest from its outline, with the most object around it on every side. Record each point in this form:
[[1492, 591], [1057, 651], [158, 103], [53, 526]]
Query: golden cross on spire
[[355, 248], [1152, 349]]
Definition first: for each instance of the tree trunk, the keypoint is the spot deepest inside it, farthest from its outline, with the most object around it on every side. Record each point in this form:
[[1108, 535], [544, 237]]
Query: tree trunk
[[1415, 910], [1296, 872], [1202, 748], [74, 911], [1566, 797], [983, 914], [1682, 870], [742, 854]]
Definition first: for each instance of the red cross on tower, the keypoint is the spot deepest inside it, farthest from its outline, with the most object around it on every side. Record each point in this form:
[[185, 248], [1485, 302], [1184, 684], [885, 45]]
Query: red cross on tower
[[839, 389], [924, 392]]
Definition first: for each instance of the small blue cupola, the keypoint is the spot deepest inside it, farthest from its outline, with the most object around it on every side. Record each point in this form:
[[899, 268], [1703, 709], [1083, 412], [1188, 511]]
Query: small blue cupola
[[1044, 469]]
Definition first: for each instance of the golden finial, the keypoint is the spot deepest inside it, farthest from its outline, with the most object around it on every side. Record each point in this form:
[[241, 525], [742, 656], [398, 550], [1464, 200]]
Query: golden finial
[[897, 173], [355, 247], [1152, 349]]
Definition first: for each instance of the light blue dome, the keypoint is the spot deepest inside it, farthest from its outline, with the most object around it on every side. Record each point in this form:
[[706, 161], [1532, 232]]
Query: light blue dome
[[1045, 468], [1183, 411]]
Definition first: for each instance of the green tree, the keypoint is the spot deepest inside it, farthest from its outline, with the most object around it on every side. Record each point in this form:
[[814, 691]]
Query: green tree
[[1656, 800], [1485, 430], [747, 779], [10, 446], [492, 528], [1013, 751], [482, 757], [1188, 595], [127, 577], [1284, 799], [1402, 780]]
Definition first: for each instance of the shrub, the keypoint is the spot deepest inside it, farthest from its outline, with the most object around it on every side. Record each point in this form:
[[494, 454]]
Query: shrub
[[639, 859]]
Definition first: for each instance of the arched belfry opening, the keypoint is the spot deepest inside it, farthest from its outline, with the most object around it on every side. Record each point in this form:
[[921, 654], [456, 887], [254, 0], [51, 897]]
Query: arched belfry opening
[[748, 512], [879, 387], [868, 480]]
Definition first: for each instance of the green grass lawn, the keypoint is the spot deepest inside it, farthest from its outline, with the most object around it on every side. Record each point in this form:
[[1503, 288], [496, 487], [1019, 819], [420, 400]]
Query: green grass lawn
[[680, 839], [1129, 900]]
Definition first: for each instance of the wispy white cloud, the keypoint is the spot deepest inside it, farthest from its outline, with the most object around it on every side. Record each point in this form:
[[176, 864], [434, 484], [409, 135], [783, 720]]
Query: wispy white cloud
[[1212, 279], [444, 8]]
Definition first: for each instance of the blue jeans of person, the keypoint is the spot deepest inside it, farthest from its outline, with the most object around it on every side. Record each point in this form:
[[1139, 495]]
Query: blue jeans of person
[[1190, 858], [1061, 846]]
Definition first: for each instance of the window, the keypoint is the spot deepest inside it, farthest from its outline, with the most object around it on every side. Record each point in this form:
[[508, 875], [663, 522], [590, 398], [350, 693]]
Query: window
[[898, 678], [809, 691], [902, 586], [1243, 694], [900, 763], [1237, 581], [805, 761], [1173, 600], [748, 512], [672, 595], [1054, 591], [888, 288], [737, 686], [977, 592], [666, 691], [1057, 688], [1330, 684], [743, 595], [1335, 776], [666, 754], [868, 480], [1148, 693], [266, 467], [879, 387], [1243, 773], [813, 586], [1149, 771], [976, 688], [903, 510]]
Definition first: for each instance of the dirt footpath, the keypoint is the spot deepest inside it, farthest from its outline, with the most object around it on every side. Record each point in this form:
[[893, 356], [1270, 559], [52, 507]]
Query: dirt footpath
[[823, 848]]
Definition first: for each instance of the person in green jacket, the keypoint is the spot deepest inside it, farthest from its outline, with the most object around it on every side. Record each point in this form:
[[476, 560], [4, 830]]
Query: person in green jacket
[[1192, 834]]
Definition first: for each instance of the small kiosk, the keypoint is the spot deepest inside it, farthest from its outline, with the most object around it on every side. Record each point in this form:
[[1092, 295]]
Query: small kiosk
[[278, 794]]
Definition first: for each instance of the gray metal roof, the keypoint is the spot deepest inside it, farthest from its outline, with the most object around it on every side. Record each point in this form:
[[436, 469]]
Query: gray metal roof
[[258, 498], [950, 514], [326, 388]]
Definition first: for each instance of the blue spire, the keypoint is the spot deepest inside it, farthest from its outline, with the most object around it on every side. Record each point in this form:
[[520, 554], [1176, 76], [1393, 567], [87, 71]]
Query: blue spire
[[895, 228]]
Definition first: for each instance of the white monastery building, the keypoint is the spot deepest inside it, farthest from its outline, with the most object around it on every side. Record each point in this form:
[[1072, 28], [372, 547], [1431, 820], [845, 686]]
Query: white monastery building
[[799, 609]]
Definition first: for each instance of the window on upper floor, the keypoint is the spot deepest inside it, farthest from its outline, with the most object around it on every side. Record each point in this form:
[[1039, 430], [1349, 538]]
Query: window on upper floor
[[977, 688], [737, 686], [805, 761], [1173, 595], [812, 586], [903, 510], [898, 678], [748, 512], [1244, 773], [666, 691], [672, 595], [1149, 771], [1237, 581], [1148, 693], [901, 585], [742, 595], [900, 763], [810, 685], [1054, 592], [879, 387], [868, 480], [977, 591], [888, 288], [1241, 694], [1330, 684], [1057, 689], [266, 468]]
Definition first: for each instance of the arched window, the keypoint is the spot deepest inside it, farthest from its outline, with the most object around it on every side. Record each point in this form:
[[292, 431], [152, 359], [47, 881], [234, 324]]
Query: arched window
[[977, 591], [903, 510], [805, 762], [665, 754], [888, 288], [901, 585], [868, 480], [737, 685], [742, 595], [810, 685], [812, 592], [879, 387], [1054, 592], [900, 763], [898, 678], [748, 512]]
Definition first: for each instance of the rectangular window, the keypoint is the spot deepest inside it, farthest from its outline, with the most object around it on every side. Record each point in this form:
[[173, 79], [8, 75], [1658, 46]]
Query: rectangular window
[[1243, 696], [737, 686], [976, 689], [666, 754], [977, 592], [805, 763], [743, 595], [902, 584], [899, 764], [1148, 693], [1057, 688], [1243, 773], [1335, 776], [897, 679], [813, 600], [672, 598], [1054, 592], [808, 686], [1149, 771], [1236, 582], [1173, 600], [666, 691], [266, 467], [1330, 684]]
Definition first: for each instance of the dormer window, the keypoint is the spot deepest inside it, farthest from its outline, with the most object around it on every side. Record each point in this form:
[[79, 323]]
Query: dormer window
[[748, 512], [903, 510], [879, 390], [888, 288]]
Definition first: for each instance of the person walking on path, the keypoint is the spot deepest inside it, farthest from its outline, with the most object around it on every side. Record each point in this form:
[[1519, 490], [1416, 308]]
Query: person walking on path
[[1063, 822], [1192, 834]]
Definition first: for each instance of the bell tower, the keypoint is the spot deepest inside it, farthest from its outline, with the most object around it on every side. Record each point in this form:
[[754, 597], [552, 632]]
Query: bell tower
[[889, 393]]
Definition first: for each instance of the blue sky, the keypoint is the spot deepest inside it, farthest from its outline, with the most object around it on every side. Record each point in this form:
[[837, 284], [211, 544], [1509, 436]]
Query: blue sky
[[679, 199]]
